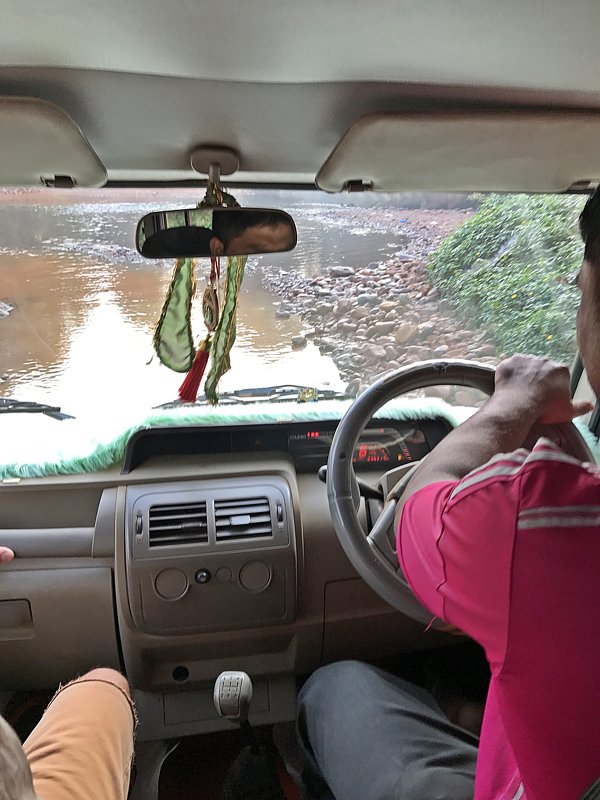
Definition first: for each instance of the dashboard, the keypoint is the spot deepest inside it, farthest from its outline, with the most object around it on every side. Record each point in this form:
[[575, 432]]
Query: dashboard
[[377, 447], [384, 443], [209, 547]]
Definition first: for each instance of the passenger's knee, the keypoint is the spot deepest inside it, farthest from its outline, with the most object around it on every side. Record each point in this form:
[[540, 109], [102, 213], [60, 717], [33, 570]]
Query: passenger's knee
[[107, 674]]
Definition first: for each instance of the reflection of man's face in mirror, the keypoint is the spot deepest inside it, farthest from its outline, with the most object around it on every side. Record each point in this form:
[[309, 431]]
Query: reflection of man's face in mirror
[[255, 239], [234, 232]]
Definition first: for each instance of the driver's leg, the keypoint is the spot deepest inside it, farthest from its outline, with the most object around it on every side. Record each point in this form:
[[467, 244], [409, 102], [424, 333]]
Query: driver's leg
[[369, 735], [82, 747]]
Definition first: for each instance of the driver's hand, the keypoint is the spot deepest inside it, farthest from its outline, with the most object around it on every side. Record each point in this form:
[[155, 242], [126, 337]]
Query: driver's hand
[[6, 555], [542, 384]]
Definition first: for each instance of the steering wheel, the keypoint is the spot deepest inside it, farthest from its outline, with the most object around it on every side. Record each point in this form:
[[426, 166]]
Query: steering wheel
[[374, 555]]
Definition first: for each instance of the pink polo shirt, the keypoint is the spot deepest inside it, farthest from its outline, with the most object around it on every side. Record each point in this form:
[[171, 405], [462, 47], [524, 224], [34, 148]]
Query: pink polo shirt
[[511, 556]]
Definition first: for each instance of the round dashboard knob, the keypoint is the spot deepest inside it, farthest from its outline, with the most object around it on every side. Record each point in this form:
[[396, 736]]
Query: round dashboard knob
[[255, 576], [202, 576], [171, 584]]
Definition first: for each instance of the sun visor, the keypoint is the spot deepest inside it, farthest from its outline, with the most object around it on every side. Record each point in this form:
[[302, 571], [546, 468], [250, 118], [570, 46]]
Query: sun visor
[[518, 151], [41, 145]]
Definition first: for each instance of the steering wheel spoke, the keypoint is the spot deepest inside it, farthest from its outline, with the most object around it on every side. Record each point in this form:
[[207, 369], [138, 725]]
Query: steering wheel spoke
[[382, 536]]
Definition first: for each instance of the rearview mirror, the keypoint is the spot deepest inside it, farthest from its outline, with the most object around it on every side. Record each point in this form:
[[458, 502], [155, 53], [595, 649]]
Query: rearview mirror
[[184, 233]]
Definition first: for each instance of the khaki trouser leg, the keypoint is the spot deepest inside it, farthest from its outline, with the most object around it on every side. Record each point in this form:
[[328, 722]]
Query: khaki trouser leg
[[82, 748]]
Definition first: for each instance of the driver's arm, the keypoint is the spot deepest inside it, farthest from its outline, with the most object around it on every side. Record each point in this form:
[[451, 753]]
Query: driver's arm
[[459, 517], [6, 555], [528, 391]]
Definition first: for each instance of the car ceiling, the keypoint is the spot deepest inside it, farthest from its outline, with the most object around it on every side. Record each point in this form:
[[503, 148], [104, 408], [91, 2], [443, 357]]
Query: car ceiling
[[281, 82]]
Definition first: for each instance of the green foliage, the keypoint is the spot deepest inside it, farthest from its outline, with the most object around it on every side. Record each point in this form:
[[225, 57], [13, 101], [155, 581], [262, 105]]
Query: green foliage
[[509, 268]]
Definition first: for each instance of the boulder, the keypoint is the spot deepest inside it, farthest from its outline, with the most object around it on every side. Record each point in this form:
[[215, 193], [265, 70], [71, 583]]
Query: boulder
[[381, 328], [341, 272], [327, 345], [406, 332], [367, 299], [359, 313], [426, 329], [377, 352], [344, 305], [467, 397], [299, 342], [357, 360]]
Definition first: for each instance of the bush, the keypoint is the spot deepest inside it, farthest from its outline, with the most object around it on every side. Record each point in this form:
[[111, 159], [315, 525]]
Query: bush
[[509, 269]]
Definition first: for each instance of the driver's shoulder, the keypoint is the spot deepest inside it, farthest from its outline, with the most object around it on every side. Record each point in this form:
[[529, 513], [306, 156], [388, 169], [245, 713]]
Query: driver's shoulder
[[542, 477], [551, 478]]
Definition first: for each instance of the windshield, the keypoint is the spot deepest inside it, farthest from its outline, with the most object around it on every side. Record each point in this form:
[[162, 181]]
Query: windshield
[[375, 282]]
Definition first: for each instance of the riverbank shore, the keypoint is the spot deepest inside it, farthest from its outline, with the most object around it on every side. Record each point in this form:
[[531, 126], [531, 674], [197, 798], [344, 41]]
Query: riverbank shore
[[382, 315]]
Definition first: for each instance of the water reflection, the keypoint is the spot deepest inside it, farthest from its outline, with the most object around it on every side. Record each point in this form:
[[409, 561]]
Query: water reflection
[[85, 307]]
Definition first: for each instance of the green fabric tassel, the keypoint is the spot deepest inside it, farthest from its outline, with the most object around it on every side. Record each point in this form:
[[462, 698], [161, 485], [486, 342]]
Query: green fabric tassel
[[173, 340], [224, 335]]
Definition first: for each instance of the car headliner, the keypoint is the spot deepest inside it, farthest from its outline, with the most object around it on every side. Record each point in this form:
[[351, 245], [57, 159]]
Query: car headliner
[[281, 82]]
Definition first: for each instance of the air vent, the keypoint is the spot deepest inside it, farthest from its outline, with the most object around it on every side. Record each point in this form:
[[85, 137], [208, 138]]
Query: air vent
[[181, 523], [243, 519]]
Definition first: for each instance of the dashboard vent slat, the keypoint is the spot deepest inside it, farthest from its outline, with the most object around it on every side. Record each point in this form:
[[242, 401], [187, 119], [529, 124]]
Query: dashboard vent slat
[[245, 518], [181, 523]]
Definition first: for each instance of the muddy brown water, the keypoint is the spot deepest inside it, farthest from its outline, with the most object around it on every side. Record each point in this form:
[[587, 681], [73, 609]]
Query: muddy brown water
[[85, 305]]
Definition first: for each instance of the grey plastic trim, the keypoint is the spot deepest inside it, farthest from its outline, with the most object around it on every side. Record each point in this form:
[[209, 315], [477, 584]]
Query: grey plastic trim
[[215, 603], [44, 145], [49, 542], [462, 150], [141, 498], [164, 716], [104, 535], [72, 612]]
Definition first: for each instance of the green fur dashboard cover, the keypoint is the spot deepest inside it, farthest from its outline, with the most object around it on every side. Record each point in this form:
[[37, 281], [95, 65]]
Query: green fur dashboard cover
[[77, 446]]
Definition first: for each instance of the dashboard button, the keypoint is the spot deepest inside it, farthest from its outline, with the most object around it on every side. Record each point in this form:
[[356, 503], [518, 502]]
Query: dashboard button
[[171, 584], [202, 576], [255, 576]]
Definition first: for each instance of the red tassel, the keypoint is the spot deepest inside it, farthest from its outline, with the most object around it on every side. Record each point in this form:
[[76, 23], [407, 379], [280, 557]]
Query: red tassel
[[188, 391]]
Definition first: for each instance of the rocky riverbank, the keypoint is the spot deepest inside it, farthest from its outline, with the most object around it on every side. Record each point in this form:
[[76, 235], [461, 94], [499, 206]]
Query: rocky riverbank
[[385, 314]]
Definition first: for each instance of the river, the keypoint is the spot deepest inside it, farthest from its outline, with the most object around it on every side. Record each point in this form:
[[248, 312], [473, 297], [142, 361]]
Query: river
[[85, 305]]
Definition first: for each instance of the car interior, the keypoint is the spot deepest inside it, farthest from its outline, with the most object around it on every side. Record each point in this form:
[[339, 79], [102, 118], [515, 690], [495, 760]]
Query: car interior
[[187, 543]]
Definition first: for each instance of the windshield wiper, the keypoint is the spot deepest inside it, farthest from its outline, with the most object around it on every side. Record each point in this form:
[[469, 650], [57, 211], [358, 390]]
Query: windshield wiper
[[10, 405], [270, 394]]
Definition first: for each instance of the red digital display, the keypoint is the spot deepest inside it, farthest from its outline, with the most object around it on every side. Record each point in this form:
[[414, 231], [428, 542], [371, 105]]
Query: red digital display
[[371, 454], [377, 448]]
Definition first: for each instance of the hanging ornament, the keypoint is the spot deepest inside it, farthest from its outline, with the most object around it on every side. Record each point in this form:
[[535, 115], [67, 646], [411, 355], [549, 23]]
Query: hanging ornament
[[173, 340], [210, 308], [225, 332], [210, 298], [188, 391]]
